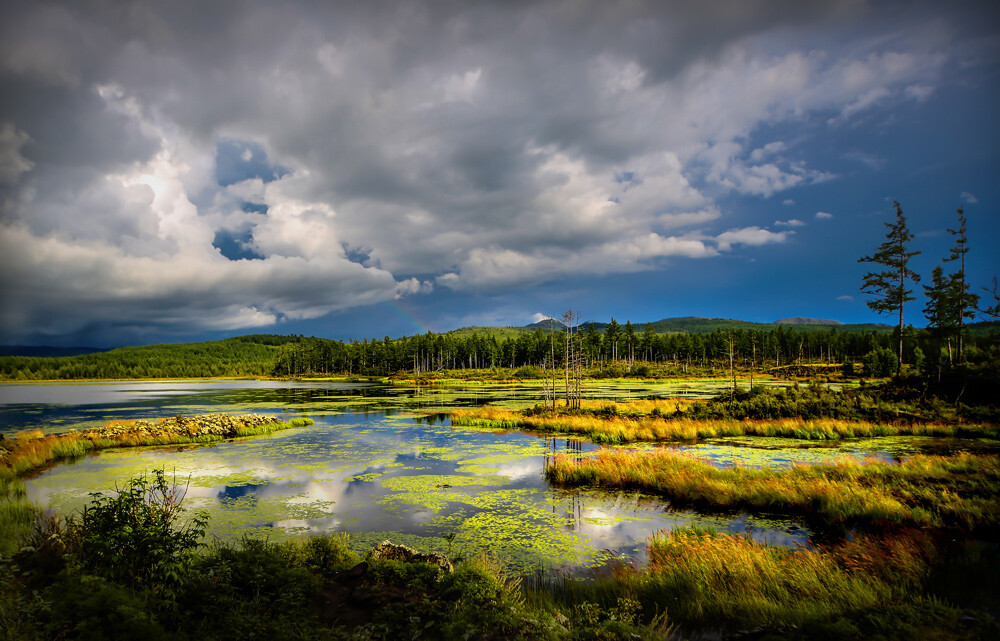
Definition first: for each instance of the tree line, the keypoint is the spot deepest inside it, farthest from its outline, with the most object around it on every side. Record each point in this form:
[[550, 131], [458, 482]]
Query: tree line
[[618, 349]]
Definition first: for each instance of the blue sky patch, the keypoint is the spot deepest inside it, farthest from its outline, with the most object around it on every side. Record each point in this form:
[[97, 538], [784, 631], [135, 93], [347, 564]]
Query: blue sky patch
[[237, 160], [236, 245]]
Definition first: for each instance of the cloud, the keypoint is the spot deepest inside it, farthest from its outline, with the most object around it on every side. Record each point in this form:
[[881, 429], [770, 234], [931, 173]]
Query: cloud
[[767, 151], [822, 215], [12, 163], [788, 202], [496, 268], [863, 102], [56, 285], [750, 236], [920, 93], [792, 222], [845, 298], [867, 159], [352, 153]]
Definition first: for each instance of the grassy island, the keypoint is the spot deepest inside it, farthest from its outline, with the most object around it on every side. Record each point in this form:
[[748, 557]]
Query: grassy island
[[812, 412], [30, 450]]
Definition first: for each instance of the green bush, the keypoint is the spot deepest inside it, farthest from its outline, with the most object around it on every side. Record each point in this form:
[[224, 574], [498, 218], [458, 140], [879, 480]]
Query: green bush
[[879, 363], [528, 371], [250, 589], [90, 608], [324, 554], [473, 584], [136, 537]]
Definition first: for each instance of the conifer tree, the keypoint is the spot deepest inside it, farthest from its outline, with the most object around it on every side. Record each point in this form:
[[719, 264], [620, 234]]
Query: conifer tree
[[941, 311], [612, 334], [888, 287], [994, 295], [964, 302]]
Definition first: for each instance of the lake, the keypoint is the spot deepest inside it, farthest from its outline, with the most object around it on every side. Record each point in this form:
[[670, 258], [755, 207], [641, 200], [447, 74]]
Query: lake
[[384, 462]]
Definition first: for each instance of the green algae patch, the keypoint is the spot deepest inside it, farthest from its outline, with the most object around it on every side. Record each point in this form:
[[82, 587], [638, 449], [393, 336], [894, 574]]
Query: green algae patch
[[726, 454], [477, 469], [517, 527], [433, 491], [368, 477]]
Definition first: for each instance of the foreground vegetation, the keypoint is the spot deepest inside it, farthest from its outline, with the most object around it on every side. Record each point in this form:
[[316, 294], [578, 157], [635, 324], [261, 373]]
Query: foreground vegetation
[[909, 585], [133, 565], [130, 566]]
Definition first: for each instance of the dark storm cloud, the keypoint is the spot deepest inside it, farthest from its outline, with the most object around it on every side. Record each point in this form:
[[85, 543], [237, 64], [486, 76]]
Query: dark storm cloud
[[474, 144]]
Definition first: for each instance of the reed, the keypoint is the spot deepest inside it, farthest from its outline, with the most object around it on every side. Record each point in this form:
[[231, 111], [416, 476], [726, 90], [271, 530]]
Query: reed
[[31, 450], [618, 428], [924, 491], [700, 580], [17, 515], [721, 577]]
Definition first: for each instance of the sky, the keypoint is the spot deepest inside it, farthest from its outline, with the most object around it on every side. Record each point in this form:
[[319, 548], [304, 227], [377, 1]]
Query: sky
[[182, 171]]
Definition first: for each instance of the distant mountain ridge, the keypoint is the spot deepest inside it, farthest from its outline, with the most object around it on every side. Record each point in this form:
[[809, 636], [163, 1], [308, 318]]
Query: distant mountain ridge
[[545, 323], [799, 320], [700, 325], [46, 350]]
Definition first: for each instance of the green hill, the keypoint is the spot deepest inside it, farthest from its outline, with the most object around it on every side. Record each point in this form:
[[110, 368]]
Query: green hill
[[252, 355]]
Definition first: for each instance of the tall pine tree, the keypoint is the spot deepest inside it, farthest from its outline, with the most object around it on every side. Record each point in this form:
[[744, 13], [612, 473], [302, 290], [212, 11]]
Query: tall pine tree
[[964, 301], [888, 287], [941, 312]]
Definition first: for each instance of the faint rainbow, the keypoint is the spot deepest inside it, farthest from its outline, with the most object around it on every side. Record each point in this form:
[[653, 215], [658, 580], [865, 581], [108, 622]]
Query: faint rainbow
[[409, 318]]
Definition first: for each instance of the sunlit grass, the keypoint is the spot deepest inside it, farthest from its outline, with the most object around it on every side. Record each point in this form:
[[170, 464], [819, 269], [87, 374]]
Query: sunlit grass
[[17, 515], [956, 491], [626, 423], [31, 450], [706, 580]]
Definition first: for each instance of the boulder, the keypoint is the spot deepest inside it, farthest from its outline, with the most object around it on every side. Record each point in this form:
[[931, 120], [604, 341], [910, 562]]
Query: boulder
[[389, 551]]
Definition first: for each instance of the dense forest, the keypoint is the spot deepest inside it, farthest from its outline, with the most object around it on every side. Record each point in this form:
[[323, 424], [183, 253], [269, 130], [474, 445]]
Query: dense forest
[[618, 349], [241, 356]]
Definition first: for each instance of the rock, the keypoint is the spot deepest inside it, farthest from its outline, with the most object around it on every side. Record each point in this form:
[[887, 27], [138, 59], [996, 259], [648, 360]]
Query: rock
[[389, 551], [220, 425]]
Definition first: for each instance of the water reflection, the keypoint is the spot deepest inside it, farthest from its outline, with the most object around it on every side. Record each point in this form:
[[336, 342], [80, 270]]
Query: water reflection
[[378, 474], [371, 468], [57, 407]]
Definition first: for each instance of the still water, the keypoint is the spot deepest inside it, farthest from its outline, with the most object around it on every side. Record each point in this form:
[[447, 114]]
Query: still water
[[379, 463]]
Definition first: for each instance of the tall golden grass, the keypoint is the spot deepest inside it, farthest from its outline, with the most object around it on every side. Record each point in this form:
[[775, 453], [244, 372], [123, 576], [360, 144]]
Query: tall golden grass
[[708, 577], [702, 580], [621, 428], [31, 450], [957, 491]]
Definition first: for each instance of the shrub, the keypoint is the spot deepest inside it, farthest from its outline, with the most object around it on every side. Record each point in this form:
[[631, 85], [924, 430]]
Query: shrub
[[528, 371], [135, 537], [879, 363], [90, 608]]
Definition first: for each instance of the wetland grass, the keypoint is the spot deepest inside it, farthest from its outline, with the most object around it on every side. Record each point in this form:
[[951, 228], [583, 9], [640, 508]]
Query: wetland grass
[[699, 580], [613, 425], [960, 491], [31, 450]]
